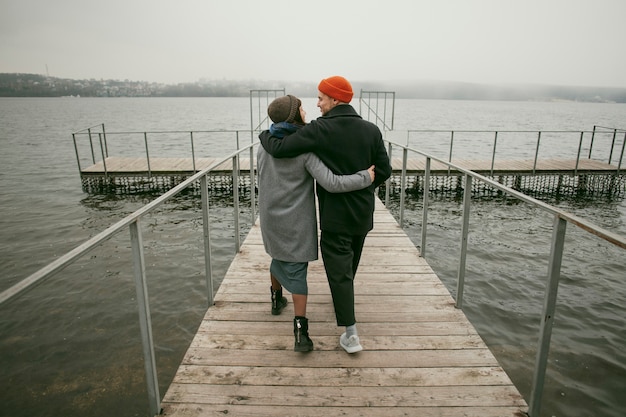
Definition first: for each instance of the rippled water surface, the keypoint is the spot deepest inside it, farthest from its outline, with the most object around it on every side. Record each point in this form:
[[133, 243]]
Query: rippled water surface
[[72, 346]]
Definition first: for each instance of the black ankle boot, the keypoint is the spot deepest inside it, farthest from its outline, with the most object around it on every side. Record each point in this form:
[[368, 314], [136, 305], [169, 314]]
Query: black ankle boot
[[303, 342], [278, 301]]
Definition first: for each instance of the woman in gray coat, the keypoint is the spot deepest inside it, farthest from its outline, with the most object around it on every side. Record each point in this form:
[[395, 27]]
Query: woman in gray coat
[[288, 214]]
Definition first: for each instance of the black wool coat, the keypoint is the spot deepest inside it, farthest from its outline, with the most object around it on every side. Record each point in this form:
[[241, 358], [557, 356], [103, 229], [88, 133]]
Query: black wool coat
[[346, 144]]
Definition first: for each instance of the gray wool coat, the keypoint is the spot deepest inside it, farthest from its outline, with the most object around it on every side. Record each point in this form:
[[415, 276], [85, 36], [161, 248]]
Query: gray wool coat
[[287, 202]]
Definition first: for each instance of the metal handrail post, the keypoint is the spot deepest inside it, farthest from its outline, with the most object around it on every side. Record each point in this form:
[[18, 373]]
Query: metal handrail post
[[193, 153], [393, 109], [467, 199], [612, 145], [593, 136], [450, 153], [377, 111], [384, 111], [621, 156], [252, 117], [493, 155], [104, 161], [236, 201], [106, 145], [537, 151], [405, 152], [547, 318], [425, 205], [80, 170], [145, 323], [252, 186], [206, 229], [238, 161], [388, 181], [580, 146], [145, 140], [93, 155]]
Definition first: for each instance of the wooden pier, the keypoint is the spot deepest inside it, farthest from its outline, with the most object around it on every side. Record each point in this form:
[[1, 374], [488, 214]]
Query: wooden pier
[[422, 357], [552, 176], [184, 166]]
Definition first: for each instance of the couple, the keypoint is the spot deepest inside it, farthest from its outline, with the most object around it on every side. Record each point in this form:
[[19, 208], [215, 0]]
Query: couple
[[336, 150]]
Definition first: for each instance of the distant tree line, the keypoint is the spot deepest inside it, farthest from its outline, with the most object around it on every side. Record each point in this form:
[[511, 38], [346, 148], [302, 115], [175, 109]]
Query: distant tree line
[[34, 85]]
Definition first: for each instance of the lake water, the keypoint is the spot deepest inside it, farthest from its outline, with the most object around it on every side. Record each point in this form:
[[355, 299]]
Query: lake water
[[72, 346]]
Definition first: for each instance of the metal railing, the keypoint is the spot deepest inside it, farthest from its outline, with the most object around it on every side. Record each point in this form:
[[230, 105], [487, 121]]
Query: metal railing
[[378, 107], [561, 219], [103, 144], [259, 102], [145, 137], [613, 151], [133, 223]]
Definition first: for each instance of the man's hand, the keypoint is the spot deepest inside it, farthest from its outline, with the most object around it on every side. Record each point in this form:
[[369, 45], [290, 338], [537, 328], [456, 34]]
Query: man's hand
[[371, 171]]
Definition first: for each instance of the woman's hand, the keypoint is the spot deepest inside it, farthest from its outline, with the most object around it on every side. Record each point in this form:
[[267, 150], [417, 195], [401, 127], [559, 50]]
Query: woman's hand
[[371, 171]]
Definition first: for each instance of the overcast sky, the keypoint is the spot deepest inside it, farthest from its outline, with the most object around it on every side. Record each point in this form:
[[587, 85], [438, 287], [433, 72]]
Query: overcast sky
[[563, 42]]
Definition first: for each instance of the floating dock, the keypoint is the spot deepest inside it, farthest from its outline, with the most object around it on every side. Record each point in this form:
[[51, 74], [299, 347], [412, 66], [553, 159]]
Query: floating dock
[[422, 356], [586, 176]]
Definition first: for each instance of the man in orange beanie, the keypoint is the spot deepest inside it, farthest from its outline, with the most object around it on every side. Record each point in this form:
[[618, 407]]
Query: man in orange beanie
[[345, 143]]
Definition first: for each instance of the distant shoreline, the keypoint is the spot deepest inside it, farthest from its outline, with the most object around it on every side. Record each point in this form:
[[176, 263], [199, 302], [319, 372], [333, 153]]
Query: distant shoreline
[[35, 85]]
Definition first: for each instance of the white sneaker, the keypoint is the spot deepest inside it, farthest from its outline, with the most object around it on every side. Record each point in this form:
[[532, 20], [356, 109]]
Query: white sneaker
[[350, 344]]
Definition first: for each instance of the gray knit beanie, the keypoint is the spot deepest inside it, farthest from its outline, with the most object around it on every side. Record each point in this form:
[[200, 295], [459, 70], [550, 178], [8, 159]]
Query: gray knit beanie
[[284, 109]]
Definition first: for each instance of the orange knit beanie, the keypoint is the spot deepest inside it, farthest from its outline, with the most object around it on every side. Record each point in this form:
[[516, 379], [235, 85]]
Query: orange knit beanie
[[336, 87]]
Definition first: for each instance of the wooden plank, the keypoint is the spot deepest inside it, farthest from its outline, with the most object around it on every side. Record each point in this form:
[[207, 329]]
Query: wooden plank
[[364, 316], [384, 303], [285, 342], [333, 377], [236, 356], [240, 290], [346, 396], [421, 355], [439, 328], [204, 410]]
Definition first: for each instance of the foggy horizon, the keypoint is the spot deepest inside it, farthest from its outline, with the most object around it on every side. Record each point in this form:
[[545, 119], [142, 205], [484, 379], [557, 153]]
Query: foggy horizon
[[487, 42], [382, 82], [38, 85]]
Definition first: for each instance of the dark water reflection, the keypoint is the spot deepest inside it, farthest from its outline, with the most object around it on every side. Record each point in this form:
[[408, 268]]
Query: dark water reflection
[[73, 345]]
